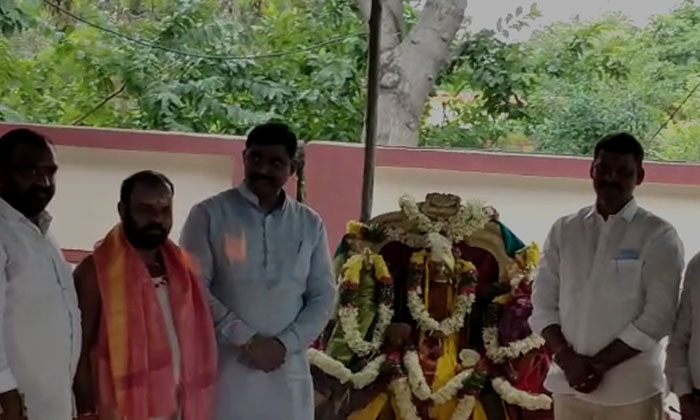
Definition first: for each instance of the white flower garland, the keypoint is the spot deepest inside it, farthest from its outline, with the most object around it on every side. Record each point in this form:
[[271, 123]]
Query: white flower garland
[[449, 325], [470, 218], [407, 410], [420, 386], [351, 330], [336, 369], [348, 314], [464, 409], [404, 403], [523, 399], [412, 240], [500, 354]]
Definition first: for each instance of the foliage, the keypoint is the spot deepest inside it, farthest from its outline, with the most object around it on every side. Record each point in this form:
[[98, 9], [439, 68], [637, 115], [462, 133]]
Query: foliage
[[572, 118], [12, 19], [573, 82], [493, 68], [320, 92], [555, 93]]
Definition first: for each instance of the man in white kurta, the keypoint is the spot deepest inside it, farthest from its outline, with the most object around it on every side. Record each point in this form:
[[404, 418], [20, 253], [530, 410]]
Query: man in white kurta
[[39, 317], [264, 258]]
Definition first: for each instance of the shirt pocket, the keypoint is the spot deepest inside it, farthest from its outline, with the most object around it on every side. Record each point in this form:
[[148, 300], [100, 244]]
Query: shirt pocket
[[625, 279]]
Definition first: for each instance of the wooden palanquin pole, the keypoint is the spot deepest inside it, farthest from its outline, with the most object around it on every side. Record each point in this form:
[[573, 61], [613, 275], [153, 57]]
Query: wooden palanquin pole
[[371, 118]]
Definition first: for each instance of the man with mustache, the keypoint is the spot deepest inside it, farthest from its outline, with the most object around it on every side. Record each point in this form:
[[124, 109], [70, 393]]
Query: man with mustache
[[39, 317], [149, 350], [605, 295], [265, 260]]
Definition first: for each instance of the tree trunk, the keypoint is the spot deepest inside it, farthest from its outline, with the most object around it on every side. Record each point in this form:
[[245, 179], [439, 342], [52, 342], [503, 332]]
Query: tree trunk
[[410, 63]]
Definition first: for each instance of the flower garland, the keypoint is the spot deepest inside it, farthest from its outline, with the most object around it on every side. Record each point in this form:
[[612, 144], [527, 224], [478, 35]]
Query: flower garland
[[523, 399], [348, 311], [489, 333], [413, 240], [336, 369], [404, 400], [500, 354], [470, 218], [420, 386], [466, 295], [407, 410]]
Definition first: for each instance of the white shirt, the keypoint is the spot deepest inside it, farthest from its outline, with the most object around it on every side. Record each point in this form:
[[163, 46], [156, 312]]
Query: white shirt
[[683, 362], [605, 280], [39, 317]]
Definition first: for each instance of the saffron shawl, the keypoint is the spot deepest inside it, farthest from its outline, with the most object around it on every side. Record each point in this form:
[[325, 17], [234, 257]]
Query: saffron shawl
[[134, 360]]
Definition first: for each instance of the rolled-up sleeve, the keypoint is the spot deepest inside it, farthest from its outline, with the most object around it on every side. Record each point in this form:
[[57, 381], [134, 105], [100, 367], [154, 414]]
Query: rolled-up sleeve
[[545, 292], [661, 276], [319, 299], [7, 379], [195, 241], [678, 352]]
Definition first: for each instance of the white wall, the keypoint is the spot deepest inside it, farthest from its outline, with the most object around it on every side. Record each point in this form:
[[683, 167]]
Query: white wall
[[88, 182], [529, 205]]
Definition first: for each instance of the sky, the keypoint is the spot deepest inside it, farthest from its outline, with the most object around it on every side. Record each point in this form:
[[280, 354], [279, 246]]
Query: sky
[[485, 13]]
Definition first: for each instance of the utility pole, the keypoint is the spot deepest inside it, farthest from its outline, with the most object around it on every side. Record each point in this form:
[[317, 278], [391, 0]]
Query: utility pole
[[371, 118]]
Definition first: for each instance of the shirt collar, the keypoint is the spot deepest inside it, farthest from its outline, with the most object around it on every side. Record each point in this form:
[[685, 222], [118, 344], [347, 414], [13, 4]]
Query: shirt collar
[[627, 212], [10, 213], [254, 200]]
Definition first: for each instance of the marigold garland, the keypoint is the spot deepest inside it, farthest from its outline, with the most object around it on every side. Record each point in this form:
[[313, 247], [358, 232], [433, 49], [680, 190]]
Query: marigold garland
[[348, 311]]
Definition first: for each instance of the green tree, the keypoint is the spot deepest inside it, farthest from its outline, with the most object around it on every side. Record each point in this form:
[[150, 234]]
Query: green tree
[[320, 91]]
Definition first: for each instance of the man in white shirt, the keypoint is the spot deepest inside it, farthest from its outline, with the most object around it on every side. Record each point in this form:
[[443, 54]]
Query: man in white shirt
[[683, 362], [606, 294], [39, 317]]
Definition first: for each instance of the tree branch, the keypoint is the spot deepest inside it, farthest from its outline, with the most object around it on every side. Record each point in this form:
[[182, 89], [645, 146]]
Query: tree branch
[[394, 8], [100, 104], [437, 26], [393, 22]]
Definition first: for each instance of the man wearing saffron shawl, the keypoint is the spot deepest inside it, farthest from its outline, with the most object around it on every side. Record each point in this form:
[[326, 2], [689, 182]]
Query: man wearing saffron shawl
[[265, 260], [149, 349]]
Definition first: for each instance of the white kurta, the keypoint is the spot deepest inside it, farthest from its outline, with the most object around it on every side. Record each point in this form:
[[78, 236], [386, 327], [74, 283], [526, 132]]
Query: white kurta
[[39, 317], [267, 274]]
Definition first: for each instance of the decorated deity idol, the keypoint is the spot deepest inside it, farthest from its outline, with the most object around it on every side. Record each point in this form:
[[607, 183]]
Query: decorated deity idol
[[431, 322]]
